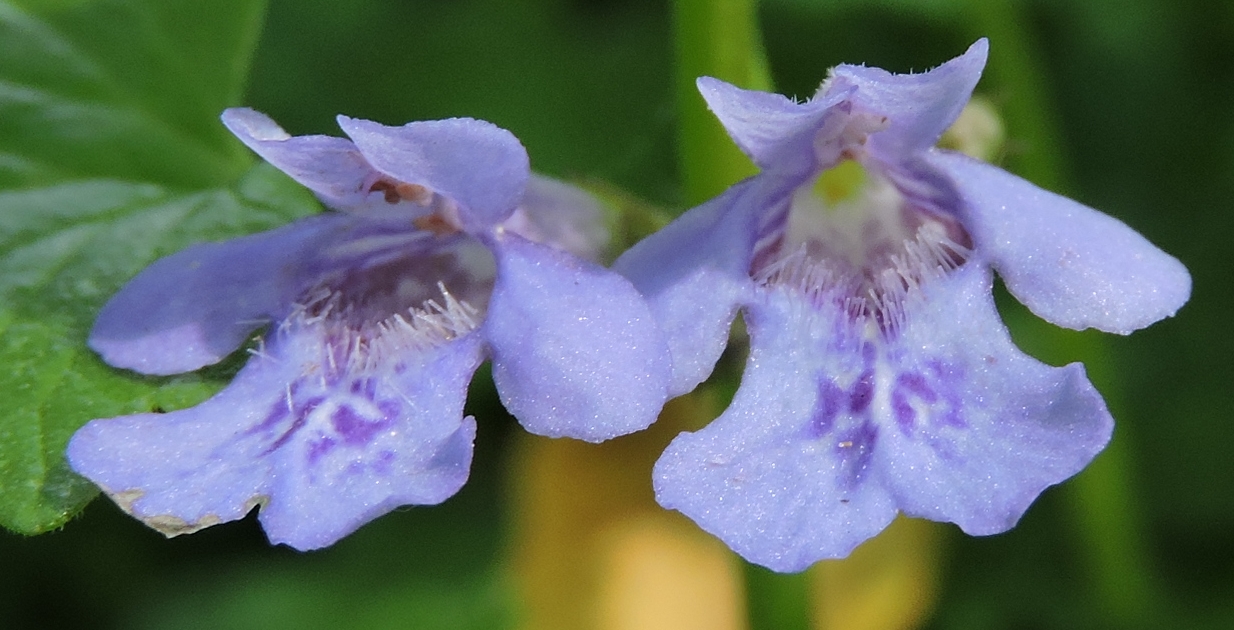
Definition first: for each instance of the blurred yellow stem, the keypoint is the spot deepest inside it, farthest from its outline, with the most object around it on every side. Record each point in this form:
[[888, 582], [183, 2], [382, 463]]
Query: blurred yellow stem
[[592, 549]]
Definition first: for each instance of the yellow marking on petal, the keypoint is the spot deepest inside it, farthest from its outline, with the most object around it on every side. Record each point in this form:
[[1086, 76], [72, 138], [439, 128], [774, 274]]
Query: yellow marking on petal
[[172, 526], [840, 183], [127, 498]]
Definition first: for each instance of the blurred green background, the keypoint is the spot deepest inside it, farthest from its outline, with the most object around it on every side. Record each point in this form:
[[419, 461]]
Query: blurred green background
[[1131, 103]]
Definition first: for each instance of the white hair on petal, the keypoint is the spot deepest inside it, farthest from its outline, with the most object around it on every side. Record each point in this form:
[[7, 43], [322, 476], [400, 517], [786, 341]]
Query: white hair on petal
[[882, 297], [351, 345]]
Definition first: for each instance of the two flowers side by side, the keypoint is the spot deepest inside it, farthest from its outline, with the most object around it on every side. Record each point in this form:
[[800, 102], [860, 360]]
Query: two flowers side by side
[[880, 378]]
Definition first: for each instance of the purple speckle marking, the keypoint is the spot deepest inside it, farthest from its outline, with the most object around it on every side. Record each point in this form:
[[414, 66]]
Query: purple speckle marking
[[905, 416], [302, 412], [908, 385], [355, 429], [826, 409], [862, 393], [278, 412], [319, 449]]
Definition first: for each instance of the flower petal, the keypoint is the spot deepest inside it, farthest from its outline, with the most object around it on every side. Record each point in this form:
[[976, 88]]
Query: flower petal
[[324, 452], [329, 166], [562, 215], [1070, 264], [196, 306], [376, 442], [477, 164], [772, 129], [919, 107], [975, 430], [575, 349], [694, 273], [783, 475]]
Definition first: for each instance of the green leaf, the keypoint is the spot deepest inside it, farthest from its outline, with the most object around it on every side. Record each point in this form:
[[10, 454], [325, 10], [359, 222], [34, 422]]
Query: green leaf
[[111, 155], [63, 250], [127, 89]]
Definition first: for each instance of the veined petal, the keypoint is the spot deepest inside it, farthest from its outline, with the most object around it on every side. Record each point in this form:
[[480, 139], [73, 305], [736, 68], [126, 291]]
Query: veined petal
[[1070, 264], [575, 349], [329, 166], [976, 429], [784, 475], [196, 306], [324, 446], [919, 107], [476, 164], [694, 273], [772, 129]]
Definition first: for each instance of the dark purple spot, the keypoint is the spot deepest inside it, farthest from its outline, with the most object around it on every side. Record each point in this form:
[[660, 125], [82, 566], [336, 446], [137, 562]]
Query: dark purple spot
[[389, 410], [355, 429], [905, 416], [917, 384], [364, 387], [826, 409], [319, 448], [909, 385], [278, 412], [953, 418], [302, 412], [862, 394]]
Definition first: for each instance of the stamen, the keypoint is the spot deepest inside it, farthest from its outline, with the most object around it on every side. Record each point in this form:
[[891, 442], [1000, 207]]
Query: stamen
[[395, 191], [435, 223], [415, 193]]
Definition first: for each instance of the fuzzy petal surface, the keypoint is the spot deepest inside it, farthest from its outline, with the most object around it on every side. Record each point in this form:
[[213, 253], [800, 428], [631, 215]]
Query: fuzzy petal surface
[[694, 274], [832, 432], [193, 308], [575, 349], [330, 166], [1070, 264], [919, 107], [772, 129], [769, 477], [974, 429], [322, 451], [477, 164]]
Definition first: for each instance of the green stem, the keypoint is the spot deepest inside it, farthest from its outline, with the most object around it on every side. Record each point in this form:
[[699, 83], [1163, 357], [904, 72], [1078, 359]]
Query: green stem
[[777, 601], [1023, 95], [717, 38], [720, 38], [1102, 502]]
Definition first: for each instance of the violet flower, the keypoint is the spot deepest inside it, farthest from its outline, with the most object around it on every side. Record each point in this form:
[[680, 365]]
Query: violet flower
[[880, 378], [352, 404]]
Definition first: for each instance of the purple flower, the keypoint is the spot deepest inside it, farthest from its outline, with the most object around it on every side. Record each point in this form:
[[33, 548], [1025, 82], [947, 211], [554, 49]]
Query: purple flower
[[880, 378], [443, 252]]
